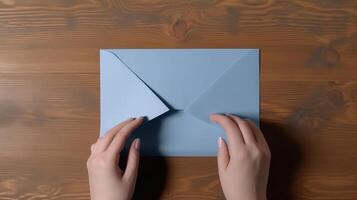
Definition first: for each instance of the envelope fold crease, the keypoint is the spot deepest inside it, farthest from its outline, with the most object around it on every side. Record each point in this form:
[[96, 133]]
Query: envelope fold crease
[[179, 89], [120, 86]]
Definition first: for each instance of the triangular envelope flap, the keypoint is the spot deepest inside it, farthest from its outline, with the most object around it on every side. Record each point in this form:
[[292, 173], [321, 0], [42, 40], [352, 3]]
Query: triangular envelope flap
[[123, 94], [178, 75], [236, 91]]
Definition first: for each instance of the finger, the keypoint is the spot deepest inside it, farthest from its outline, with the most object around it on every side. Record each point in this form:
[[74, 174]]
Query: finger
[[92, 148], [105, 141], [131, 171], [223, 154], [247, 132], [259, 135], [120, 138], [235, 138]]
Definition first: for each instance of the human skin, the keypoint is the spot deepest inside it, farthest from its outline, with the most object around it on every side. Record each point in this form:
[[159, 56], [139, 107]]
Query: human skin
[[106, 180], [243, 163]]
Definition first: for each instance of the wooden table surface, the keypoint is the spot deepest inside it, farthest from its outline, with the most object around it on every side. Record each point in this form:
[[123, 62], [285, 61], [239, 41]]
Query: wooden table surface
[[49, 91]]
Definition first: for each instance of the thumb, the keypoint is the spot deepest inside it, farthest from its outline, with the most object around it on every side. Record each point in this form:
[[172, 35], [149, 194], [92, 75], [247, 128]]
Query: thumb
[[131, 171], [223, 154]]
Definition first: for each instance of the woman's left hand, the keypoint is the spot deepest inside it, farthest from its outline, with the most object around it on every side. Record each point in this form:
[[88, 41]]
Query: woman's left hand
[[106, 180]]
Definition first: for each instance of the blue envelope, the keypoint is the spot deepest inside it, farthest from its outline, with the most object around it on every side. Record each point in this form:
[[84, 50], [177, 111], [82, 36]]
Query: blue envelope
[[177, 90]]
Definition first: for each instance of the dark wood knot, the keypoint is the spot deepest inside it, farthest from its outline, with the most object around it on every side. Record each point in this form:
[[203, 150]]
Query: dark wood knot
[[320, 108], [330, 56], [180, 29], [324, 57]]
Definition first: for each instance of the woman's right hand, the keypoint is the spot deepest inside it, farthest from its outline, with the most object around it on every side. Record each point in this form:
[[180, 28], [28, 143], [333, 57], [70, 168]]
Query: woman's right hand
[[243, 163]]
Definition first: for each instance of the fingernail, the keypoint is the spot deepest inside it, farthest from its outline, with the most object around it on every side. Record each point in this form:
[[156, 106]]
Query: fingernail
[[137, 144], [139, 118], [220, 141]]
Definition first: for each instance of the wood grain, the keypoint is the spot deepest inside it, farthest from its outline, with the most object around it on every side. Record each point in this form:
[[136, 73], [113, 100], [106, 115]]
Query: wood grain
[[49, 92]]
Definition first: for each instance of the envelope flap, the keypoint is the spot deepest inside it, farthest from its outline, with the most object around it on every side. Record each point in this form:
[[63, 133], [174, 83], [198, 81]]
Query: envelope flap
[[178, 75], [236, 91], [123, 94]]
